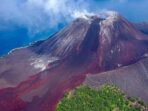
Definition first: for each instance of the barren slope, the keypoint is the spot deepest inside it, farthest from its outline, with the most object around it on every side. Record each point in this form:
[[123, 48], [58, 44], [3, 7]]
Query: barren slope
[[36, 77]]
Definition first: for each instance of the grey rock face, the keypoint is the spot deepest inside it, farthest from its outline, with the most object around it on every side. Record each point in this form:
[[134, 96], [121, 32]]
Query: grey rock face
[[132, 79]]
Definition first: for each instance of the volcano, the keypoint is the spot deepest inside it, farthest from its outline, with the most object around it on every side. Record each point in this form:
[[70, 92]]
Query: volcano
[[35, 78]]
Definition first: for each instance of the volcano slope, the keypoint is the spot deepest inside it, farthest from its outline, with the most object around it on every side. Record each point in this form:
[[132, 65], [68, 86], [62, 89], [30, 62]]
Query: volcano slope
[[132, 79], [36, 77]]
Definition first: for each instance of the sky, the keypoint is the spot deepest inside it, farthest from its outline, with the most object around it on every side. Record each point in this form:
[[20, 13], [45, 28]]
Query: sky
[[25, 21]]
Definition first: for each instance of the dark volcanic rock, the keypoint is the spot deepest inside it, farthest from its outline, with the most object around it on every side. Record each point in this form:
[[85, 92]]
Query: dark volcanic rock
[[132, 79], [36, 77]]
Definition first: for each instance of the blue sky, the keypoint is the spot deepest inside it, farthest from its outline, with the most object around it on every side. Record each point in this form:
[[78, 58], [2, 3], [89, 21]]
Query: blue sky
[[25, 21]]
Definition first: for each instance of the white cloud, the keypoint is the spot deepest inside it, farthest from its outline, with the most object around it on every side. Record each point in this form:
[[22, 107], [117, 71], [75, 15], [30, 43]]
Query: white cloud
[[81, 14], [40, 15]]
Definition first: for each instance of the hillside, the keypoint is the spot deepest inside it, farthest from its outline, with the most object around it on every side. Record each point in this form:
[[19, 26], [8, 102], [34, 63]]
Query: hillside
[[34, 78]]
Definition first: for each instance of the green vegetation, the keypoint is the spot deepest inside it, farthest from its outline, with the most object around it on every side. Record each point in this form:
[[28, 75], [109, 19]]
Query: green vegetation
[[108, 98]]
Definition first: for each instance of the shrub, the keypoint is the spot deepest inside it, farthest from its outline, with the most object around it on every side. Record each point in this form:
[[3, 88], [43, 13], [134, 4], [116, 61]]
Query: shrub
[[108, 98]]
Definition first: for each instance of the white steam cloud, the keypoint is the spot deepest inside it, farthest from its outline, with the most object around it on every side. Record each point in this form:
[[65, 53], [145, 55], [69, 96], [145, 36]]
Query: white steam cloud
[[40, 15]]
